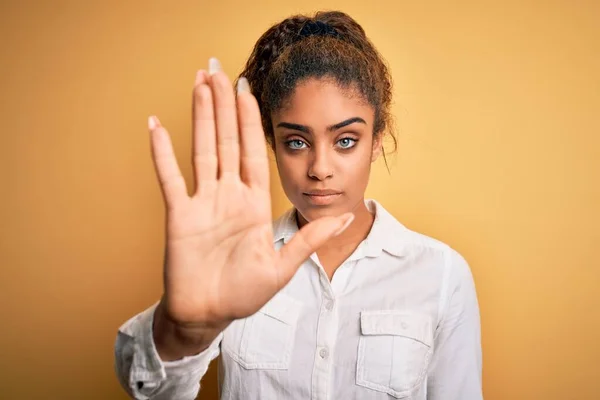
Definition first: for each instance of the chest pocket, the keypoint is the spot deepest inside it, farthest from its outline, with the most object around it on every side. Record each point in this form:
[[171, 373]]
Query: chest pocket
[[265, 340], [394, 351]]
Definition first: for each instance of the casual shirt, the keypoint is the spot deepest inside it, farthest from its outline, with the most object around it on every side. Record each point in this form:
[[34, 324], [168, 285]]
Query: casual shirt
[[398, 320]]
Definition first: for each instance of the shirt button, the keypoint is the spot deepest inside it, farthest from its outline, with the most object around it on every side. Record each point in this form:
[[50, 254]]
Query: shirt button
[[324, 353], [404, 325], [329, 305]]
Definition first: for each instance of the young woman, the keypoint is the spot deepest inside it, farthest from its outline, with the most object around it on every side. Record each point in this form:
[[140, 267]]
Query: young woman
[[336, 299]]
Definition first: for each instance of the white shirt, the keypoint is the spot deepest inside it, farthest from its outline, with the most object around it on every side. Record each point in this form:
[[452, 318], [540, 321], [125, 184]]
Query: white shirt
[[398, 320]]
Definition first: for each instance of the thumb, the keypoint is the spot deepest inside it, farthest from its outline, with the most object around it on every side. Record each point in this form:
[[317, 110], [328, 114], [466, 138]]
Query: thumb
[[306, 241]]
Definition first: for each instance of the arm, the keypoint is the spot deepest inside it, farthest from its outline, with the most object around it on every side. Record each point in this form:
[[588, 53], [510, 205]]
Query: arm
[[455, 369], [142, 372], [214, 246]]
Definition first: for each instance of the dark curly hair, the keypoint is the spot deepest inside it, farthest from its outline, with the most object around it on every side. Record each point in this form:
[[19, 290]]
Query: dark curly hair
[[284, 56]]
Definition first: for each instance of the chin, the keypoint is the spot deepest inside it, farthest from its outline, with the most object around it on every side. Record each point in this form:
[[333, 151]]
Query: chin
[[311, 213]]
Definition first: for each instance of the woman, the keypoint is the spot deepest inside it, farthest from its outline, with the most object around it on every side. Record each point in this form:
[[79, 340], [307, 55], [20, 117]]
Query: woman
[[336, 299]]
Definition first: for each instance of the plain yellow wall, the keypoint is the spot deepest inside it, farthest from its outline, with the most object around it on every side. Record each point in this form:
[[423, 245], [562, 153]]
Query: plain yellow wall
[[499, 155]]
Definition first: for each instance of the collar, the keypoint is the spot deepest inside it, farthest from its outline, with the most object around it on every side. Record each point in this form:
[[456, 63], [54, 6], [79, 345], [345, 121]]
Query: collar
[[387, 233]]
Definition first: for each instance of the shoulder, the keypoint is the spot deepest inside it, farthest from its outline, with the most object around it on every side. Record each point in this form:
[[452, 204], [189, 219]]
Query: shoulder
[[449, 257], [420, 240], [402, 241]]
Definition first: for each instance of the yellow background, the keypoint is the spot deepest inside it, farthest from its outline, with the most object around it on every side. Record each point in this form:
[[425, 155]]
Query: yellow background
[[497, 106]]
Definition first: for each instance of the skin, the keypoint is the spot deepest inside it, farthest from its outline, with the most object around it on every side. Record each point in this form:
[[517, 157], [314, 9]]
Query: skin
[[324, 141]]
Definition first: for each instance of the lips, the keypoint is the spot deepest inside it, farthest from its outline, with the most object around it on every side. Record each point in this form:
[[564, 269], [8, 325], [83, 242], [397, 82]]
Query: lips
[[322, 192], [322, 197]]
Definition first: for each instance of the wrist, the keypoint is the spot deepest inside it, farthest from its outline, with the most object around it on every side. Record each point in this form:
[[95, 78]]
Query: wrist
[[174, 341]]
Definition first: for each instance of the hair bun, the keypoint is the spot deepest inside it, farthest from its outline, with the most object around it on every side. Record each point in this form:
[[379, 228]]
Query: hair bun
[[318, 28]]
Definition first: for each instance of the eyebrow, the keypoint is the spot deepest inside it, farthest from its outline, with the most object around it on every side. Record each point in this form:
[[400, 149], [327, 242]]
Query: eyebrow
[[332, 128]]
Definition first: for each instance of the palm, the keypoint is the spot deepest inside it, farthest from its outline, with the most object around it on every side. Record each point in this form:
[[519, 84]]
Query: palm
[[220, 262], [231, 266]]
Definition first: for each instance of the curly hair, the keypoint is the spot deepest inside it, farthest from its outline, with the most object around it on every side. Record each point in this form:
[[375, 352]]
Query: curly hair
[[283, 57]]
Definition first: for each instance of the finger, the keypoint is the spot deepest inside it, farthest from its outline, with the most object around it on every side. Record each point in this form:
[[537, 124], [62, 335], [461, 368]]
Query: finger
[[169, 175], [204, 148], [254, 162], [228, 148], [308, 240]]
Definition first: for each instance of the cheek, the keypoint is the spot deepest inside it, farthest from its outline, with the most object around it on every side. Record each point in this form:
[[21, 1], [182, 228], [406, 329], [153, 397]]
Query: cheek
[[358, 170]]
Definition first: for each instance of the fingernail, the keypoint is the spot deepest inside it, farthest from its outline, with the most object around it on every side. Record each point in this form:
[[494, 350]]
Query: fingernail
[[242, 85], [214, 66], [199, 76], [153, 122], [349, 218]]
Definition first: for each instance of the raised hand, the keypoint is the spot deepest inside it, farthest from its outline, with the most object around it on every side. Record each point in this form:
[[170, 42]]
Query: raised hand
[[220, 263]]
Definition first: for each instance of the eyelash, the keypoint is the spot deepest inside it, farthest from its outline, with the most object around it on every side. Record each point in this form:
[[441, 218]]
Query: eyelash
[[289, 142]]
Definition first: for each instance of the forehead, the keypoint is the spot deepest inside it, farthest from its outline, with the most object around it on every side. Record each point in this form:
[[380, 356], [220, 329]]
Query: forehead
[[325, 101]]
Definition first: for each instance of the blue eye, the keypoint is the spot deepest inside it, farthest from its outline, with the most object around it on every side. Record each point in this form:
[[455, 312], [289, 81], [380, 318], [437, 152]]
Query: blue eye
[[295, 144], [347, 143]]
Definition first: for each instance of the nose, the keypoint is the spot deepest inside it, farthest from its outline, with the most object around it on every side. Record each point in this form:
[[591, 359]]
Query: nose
[[320, 167]]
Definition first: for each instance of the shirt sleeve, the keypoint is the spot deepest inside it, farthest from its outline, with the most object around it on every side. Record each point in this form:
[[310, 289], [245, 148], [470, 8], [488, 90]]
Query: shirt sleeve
[[144, 375], [456, 366]]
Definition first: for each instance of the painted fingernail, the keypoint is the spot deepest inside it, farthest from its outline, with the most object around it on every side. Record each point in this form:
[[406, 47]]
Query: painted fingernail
[[349, 218], [242, 85], [153, 122], [199, 76], [214, 65]]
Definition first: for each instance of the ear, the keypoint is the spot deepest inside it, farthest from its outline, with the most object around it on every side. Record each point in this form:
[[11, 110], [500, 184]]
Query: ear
[[377, 147]]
